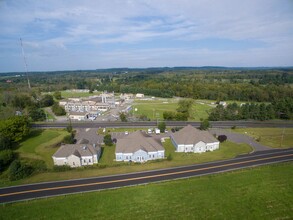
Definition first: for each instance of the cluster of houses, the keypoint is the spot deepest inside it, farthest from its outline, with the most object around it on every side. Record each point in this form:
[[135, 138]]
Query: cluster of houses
[[137, 147]]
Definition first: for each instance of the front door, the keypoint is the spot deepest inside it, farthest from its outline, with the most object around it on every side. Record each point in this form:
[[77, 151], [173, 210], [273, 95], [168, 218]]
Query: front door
[[140, 158]]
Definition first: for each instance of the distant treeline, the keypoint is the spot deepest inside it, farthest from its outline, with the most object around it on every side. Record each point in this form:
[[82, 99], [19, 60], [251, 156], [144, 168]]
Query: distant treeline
[[281, 109], [214, 83]]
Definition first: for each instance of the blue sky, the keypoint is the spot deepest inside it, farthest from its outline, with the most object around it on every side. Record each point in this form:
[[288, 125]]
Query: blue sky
[[87, 34]]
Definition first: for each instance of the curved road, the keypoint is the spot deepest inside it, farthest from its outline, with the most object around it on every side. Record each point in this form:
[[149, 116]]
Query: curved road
[[26, 192]]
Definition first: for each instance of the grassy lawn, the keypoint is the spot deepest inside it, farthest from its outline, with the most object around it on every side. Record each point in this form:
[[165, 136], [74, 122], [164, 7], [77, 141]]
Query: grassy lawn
[[107, 155], [41, 145], [254, 193], [227, 150], [154, 109], [271, 137]]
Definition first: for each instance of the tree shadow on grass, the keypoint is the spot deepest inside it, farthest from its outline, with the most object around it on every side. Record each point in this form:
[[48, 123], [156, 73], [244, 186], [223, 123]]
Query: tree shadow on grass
[[102, 151], [33, 133]]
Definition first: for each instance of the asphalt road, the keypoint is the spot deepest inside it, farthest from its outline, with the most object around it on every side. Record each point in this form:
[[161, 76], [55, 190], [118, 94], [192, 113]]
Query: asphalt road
[[26, 192], [215, 124]]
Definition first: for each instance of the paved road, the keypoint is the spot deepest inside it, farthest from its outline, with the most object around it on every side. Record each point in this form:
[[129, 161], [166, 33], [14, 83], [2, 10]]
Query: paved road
[[215, 124], [26, 192], [240, 138]]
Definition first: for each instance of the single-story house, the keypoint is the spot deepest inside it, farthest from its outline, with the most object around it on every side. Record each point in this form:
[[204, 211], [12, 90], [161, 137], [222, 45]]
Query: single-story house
[[80, 116], [139, 95], [76, 155], [190, 139], [138, 147]]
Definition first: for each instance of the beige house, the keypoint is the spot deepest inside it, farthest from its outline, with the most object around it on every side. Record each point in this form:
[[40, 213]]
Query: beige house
[[139, 95], [80, 116], [76, 155], [190, 139], [138, 147]]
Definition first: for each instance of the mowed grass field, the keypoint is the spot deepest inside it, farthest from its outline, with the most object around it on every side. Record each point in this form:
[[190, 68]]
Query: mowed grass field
[[271, 137], [154, 109], [41, 145], [254, 193]]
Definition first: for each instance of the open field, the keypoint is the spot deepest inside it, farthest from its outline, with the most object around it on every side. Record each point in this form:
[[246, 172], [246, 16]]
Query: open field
[[255, 193], [154, 109], [109, 167], [272, 137], [41, 145], [73, 94]]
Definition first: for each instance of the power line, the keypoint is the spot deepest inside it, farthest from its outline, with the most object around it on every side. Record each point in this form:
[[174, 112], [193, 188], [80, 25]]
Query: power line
[[25, 64]]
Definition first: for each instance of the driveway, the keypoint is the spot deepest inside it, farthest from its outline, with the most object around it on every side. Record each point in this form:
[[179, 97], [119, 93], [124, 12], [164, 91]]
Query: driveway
[[240, 138]]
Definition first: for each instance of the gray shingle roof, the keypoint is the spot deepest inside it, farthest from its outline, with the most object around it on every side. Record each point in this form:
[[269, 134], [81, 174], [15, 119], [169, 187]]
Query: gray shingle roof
[[137, 141], [78, 150], [191, 135]]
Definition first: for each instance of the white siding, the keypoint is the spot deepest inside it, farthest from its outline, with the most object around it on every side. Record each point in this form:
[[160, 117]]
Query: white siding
[[200, 147], [73, 161]]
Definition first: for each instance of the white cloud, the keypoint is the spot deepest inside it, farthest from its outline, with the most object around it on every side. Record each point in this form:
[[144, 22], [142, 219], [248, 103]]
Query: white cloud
[[63, 28]]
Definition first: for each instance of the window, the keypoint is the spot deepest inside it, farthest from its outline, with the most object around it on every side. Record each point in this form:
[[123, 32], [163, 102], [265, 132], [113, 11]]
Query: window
[[89, 160], [153, 156], [73, 164], [126, 157], [84, 160]]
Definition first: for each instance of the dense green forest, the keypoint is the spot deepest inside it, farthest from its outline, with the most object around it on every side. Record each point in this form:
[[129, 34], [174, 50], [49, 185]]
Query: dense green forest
[[269, 85]]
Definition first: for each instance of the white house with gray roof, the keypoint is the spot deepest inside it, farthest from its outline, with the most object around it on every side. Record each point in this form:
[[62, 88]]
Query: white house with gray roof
[[138, 147], [190, 139], [76, 155]]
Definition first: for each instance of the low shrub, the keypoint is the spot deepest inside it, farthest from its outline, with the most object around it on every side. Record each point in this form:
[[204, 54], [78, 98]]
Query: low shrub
[[61, 168], [6, 157], [170, 157], [222, 138], [19, 170]]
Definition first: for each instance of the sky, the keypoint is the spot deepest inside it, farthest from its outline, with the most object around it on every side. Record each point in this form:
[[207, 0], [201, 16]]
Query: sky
[[87, 34]]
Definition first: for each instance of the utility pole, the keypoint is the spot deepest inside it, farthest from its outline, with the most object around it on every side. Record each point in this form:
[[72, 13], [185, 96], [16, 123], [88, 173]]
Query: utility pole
[[25, 64]]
